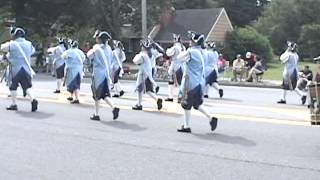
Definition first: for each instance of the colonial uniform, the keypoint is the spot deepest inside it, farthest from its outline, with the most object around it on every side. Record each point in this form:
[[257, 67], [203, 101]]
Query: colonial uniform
[[193, 82], [211, 69], [101, 81], [118, 57], [74, 59], [176, 67], [59, 62], [290, 60], [155, 55], [145, 82], [21, 72]]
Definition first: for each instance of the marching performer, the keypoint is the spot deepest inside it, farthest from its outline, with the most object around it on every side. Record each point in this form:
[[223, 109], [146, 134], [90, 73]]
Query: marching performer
[[21, 72], [176, 67], [193, 82], [290, 59], [101, 80], [145, 82], [116, 67], [211, 69], [59, 62], [74, 59], [155, 48]]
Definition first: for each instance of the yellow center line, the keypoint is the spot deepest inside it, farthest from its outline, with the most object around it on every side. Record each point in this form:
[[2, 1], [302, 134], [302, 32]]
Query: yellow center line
[[172, 108]]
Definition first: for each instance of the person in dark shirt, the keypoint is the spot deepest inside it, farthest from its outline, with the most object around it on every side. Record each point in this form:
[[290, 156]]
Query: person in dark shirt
[[307, 73], [305, 78], [250, 60], [317, 76]]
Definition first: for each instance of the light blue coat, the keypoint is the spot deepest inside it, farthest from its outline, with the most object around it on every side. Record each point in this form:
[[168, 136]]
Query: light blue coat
[[20, 51], [211, 62], [145, 68], [57, 54], [100, 65], [74, 59], [193, 76]]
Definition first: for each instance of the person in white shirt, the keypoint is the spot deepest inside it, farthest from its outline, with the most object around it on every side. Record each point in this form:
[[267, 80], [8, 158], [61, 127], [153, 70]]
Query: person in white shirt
[[21, 72], [145, 82], [74, 59]]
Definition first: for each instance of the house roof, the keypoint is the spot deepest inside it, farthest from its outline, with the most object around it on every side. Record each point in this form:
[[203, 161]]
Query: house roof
[[199, 20]]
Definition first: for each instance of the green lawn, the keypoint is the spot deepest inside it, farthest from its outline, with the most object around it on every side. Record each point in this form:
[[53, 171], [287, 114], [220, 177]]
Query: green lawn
[[274, 71], [275, 68]]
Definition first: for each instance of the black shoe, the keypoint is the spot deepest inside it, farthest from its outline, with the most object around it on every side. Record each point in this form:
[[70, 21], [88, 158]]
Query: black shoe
[[95, 118], [159, 104], [157, 89], [121, 93], [116, 95], [57, 92], [179, 100], [184, 130], [70, 98], [115, 113], [221, 93], [206, 96], [34, 105], [75, 102], [169, 100], [12, 107], [303, 99], [213, 123], [282, 102], [137, 107]]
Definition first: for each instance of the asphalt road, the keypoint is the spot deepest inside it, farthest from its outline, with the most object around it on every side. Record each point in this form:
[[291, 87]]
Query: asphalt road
[[255, 139]]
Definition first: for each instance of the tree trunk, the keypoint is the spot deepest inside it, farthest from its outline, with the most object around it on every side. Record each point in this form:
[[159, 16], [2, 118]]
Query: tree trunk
[[116, 18]]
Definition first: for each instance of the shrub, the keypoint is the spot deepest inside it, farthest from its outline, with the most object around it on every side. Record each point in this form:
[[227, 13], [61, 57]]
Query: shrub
[[246, 39]]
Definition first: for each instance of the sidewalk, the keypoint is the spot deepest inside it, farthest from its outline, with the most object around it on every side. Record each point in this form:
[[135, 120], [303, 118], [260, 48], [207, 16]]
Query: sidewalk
[[222, 81]]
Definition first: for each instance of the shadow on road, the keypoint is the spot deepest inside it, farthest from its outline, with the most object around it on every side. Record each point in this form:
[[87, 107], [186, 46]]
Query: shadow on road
[[124, 125], [227, 139], [163, 113], [35, 115]]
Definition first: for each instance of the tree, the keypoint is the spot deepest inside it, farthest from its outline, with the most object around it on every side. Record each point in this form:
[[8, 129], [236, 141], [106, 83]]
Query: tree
[[309, 39], [247, 39], [284, 20], [243, 12]]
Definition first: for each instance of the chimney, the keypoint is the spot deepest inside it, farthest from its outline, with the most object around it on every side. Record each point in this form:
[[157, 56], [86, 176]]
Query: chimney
[[167, 14]]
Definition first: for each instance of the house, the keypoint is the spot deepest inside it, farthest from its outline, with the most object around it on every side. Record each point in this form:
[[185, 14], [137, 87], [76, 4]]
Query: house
[[214, 23]]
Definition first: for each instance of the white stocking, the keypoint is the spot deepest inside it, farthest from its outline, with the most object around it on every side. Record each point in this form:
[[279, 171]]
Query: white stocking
[[299, 92], [204, 111], [206, 89], [109, 101], [284, 95], [97, 107], [76, 94], [153, 96], [30, 94], [187, 116], [13, 97], [59, 83], [170, 91], [216, 86], [116, 88]]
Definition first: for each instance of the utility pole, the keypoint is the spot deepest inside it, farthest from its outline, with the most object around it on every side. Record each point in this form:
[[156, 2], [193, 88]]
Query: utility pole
[[144, 17]]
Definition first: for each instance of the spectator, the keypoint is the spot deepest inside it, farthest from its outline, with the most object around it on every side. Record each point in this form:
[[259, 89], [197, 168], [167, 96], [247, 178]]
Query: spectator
[[255, 71], [307, 73], [221, 63], [86, 47], [317, 77], [238, 68], [305, 78], [250, 60]]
